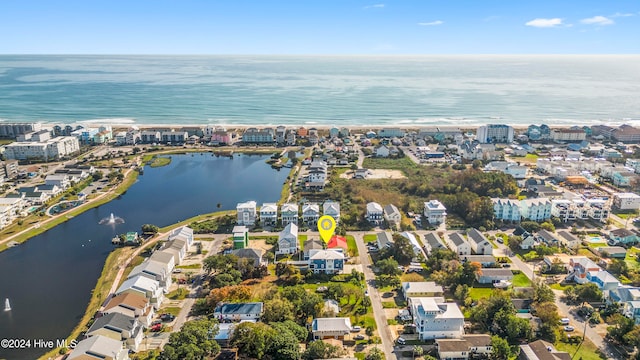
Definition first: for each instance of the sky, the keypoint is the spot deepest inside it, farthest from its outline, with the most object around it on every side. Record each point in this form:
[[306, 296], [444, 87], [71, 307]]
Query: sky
[[316, 27]]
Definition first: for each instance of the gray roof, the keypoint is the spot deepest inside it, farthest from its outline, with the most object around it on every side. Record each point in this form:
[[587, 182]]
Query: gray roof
[[476, 236], [114, 320], [433, 241], [384, 239], [457, 239], [496, 272], [239, 308], [161, 256], [249, 253], [98, 344], [331, 324], [483, 259], [547, 236], [311, 244], [567, 235], [391, 209], [622, 233], [612, 250]]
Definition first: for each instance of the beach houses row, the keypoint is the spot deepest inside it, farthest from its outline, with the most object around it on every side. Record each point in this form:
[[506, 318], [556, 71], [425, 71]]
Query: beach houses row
[[248, 214], [376, 214], [134, 303], [475, 241]]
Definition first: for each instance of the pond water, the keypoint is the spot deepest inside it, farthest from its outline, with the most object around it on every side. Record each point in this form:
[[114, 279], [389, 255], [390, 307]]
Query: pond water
[[49, 278]]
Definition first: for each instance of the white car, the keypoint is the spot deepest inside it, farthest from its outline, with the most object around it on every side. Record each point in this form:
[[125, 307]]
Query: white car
[[564, 321], [568, 328], [356, 328], [401, 341]]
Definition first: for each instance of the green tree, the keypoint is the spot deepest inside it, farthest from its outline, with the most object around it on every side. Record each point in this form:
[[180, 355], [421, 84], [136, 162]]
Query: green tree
[[252, 339], [500, 349], [278, 310], [542, 292], [150, 229], [401, 249], [588, 292], [97, 175], [418, 351], [388, 266], [195, 340], [300, 332], [374, 354], [321, 350]]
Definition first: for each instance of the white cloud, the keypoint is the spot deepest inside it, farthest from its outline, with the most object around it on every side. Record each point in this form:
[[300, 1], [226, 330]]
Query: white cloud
[[544, 23], [622, 15], [374, 6], [597, 20], [432, 23]]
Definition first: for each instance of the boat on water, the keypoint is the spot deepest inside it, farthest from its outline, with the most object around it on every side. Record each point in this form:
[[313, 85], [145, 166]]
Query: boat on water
[[7, 305]]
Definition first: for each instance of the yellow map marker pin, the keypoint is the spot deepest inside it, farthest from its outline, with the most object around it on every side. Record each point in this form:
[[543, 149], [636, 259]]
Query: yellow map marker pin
[[326, 227]]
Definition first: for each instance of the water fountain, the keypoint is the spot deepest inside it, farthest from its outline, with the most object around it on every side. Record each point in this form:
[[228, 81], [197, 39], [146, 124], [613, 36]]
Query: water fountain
[[111, 220], [7, 306]]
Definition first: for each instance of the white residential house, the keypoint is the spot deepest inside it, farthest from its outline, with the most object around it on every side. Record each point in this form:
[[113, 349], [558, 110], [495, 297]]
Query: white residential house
[[537, 209], [382, 151], [435, 212], [133, 305], [144, 286], [392, 215], [182, 233], [118, 327], [177, 248], [421, 289], [469, 347], [247, 213], [60, 180], [289, 213], [435, 319], [269, 214], [374, 213], [328, 328], [506, 209], [458, 244], [153, 270], [479, 244], [332, 208], [99, 347], [239, 311], [310, 214], [288, 240]]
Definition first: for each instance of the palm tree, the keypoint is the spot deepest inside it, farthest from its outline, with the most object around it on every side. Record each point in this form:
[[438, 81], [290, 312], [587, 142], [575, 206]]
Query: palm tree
[[417, 350]]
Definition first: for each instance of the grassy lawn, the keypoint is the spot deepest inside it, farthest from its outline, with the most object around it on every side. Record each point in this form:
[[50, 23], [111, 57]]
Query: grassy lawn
[[173, 310], [302, 239], [631, 258], [480, 293], [191, 266], [370, 238], [529, 158], [178, 294], [160, 161], [388, 304], [351, 245], [392, 164], [587, 350], [625, 216], [559, 287], [587, 253], [521, 280], [597, 245]]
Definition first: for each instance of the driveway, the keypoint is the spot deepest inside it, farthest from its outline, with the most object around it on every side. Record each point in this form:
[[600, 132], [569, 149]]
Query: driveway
[[376, 301]]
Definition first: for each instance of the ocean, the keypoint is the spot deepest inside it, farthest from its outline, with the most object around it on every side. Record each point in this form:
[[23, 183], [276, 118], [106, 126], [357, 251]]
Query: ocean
[[321, 90]]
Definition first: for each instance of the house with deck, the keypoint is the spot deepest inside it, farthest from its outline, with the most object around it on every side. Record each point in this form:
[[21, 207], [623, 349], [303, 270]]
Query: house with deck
[[289, 213], [143, 286], [392, 215], [99, 347], [432, 242], [422, 289], [288, 240], [153, 270], [253, 254], [118, 327], [311, 245], [332, 208], [326, 261], [246, 213], [491, 275], [435, 212], [269, 214], [374, 213], [251, 311], [310, 214], [384, 239], [132, 305], [468, 347], [183, 233], [240, 237], [623, 236], [436, 319], [569, 240], [330, 328]]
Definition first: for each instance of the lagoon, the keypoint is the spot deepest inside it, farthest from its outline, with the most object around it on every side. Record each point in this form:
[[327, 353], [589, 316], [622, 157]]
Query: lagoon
[[49, 278]]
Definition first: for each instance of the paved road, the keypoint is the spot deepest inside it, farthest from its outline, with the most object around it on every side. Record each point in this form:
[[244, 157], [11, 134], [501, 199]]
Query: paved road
[[376, 301]]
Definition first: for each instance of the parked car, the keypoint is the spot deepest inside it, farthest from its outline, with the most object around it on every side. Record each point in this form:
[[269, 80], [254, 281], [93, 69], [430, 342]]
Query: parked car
[[500, 240], [167, 317], [359, 337], [506, 265], [401, 341], [564, 321], [156, 327], [568, 328], [356, 328]]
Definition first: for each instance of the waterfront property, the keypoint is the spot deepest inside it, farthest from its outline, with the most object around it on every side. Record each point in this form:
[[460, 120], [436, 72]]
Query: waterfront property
[[247, 213], [99, 347], [153, 270], [143, 286], [132, 305], [289, 213], [118, 327], [269, 214], [310, 214]]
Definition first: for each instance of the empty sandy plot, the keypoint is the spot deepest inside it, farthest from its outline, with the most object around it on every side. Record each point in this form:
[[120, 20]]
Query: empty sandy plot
[[377, 174]]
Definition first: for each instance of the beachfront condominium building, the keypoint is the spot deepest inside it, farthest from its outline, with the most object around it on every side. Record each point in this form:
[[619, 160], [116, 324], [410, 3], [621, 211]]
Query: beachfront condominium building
[[269, 214], [435, 212], [578, 209], [626, 201], [495, 133], [259, 136], [247, 213], [12, 130], [568, 135], [48, 150], [391, 132], [435, 319]]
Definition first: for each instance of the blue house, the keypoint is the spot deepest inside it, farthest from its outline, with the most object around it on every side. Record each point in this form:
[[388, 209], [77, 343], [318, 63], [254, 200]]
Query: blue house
[[326, 261], [623, 236]]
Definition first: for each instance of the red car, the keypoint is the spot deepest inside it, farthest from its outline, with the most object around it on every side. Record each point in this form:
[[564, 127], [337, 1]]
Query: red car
[[156, 327]]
